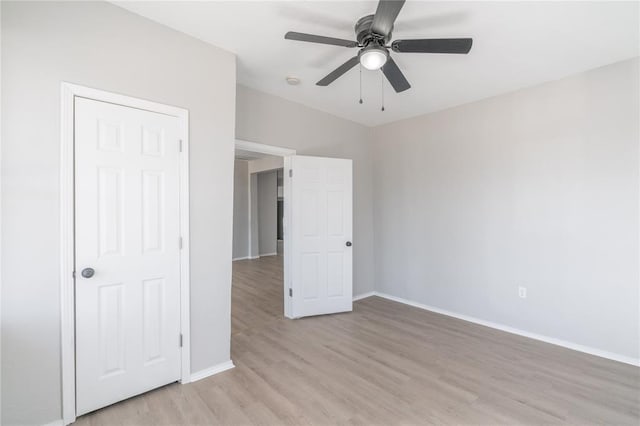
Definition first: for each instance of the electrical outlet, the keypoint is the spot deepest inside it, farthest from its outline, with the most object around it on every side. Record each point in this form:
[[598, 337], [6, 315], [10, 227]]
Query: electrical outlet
[[522, 292]]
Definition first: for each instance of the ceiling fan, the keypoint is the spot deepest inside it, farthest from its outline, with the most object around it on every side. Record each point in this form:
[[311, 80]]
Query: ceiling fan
[[373, 33]]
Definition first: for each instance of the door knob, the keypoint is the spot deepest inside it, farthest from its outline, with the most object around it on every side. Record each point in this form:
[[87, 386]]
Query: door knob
[[87, 272], [349, 244]]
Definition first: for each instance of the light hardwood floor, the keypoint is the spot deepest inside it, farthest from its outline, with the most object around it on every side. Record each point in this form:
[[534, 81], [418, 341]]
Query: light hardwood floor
[[385, 363]]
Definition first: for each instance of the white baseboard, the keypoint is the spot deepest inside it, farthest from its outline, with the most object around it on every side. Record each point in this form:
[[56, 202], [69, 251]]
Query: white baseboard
[[552, 340], [363, 295], [202, 374], [268, 254], [245, 258]]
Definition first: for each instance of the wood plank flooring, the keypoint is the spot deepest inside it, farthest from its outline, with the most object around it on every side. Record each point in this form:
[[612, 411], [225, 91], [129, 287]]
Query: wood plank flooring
[[382, 364]]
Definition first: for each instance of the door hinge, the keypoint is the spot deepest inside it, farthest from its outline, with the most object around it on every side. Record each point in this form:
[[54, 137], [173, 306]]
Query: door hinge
[[290, 172], [180, 340], [180, 243], [73, 274], [290, 292], [180, 145]]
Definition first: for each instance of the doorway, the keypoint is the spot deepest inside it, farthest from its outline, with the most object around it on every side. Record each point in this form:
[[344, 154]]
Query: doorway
[[317, 197], [259, 235]]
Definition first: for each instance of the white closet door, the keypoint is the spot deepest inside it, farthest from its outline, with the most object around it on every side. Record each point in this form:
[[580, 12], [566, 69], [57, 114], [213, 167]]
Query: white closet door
[[127, 232]]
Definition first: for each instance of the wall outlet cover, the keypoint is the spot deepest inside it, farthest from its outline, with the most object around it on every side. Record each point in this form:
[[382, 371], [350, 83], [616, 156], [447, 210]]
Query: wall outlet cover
[[522, 292]]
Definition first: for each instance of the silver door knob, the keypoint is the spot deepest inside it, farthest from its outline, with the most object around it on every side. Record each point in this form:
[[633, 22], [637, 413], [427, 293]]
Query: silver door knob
[[87, 272]]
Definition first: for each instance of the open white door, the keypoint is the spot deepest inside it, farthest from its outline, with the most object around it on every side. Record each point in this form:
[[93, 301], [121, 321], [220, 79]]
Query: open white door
[[319, 260]]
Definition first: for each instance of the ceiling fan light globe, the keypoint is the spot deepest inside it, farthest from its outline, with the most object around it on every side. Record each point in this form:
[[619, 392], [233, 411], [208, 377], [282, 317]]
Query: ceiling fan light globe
[[373, 59]]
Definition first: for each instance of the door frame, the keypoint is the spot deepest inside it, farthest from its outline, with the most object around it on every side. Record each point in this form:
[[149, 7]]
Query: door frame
[[286, 153], [69, 92]]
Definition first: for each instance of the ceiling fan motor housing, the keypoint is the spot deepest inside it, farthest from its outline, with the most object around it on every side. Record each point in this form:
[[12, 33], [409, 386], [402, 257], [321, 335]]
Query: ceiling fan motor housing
[[364, 35]]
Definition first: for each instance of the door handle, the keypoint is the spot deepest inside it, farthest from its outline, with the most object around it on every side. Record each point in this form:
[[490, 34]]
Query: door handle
[[87, 272], [349, 244]]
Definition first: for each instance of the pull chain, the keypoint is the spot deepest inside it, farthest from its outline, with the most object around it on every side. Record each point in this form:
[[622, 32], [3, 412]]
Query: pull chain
[[360, 83], [382, 89]]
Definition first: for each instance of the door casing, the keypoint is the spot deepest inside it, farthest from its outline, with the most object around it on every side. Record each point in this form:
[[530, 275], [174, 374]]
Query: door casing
[[69, 92]]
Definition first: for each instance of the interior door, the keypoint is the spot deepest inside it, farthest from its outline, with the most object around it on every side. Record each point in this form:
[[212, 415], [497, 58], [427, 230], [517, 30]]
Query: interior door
[[320, 235], [127, 252]]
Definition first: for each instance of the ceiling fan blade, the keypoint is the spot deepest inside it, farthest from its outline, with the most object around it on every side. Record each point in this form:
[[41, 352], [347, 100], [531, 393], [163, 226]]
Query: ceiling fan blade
[[433, 45], [395, 76], [333, 75], [385, 16], [292, 35]]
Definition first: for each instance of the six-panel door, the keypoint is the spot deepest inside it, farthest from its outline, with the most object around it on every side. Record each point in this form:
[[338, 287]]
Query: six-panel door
[[127, 231], [321, 234]]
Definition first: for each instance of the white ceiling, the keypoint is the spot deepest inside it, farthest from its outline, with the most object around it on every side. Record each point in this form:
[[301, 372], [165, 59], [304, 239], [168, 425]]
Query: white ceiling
[[516, 44]]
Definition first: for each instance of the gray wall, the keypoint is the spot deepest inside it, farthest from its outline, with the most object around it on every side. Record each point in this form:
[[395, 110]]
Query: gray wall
[[266, 163], [271, 120], [253, 206], [103, 46], [241, 209], [538, 188], [267, 212]]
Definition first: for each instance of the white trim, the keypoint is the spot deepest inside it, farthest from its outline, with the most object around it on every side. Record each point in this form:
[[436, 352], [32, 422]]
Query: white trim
[[203, 374], [67, 238], [58, 422], [552, 340], [245, 258], [250, 208], [363, 295], [288, 241], [268, 254], [185, 252], [264, 149], [248, 213]]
